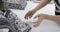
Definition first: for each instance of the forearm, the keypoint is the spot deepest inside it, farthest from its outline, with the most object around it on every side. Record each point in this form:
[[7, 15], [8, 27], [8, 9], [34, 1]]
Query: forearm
[[54, 18], [41, 4]]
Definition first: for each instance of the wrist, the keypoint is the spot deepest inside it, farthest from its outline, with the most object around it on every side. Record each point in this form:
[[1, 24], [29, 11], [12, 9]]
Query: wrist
[[34, 10], [46, 16]]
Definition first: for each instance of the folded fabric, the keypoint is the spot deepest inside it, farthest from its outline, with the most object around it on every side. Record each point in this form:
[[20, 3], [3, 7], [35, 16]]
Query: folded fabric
[[14, 4], [5, 23], [17, 22]]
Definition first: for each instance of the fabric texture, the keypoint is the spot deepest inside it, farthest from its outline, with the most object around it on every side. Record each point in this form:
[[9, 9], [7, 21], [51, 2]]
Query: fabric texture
[[13, 4], [17, 22], [57, 6], [11, 21], [5, 23]]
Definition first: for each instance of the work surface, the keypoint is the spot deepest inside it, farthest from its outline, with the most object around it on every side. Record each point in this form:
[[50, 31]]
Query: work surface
[[46, 25]]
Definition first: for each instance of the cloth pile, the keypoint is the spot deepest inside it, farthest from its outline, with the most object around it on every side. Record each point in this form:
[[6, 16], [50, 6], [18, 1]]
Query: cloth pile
[[11, 21], [15, 4]]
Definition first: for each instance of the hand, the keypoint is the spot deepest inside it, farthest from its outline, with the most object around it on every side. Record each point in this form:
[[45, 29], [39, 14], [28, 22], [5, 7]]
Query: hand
[[40, 18], [29, 14]]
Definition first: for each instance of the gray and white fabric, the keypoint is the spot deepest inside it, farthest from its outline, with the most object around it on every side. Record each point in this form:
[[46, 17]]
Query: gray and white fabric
[[17, 22], [11, 21], [15, 4], [5, 23]]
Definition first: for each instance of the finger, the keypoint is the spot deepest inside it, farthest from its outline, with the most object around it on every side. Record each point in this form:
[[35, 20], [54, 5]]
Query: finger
[[26, 17], [30, 16], [36, 25], [36, 16]]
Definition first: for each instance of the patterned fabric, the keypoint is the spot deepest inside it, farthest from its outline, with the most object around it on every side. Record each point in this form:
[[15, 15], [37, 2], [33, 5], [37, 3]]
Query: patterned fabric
[[57, 6], [14, 4], [18, 23], [5, 23]]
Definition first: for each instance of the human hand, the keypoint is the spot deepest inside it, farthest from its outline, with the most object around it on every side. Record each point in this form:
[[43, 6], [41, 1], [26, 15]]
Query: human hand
[[40, 18], [29, 14]]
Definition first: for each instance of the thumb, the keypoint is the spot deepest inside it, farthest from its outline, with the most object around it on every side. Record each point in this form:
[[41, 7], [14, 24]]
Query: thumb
[[36, 16]]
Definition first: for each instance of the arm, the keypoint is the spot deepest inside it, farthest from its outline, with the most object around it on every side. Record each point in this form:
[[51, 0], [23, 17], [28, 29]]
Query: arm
[[44, 16], [54, 18], [41, 4]]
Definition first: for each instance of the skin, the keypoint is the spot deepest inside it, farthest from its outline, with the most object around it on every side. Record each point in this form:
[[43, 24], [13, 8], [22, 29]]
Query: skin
[[41, 5], [44, 16], [41, 16]]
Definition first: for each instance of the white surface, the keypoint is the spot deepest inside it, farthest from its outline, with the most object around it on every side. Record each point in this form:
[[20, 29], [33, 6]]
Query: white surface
[[46, 25], [4, 30]]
